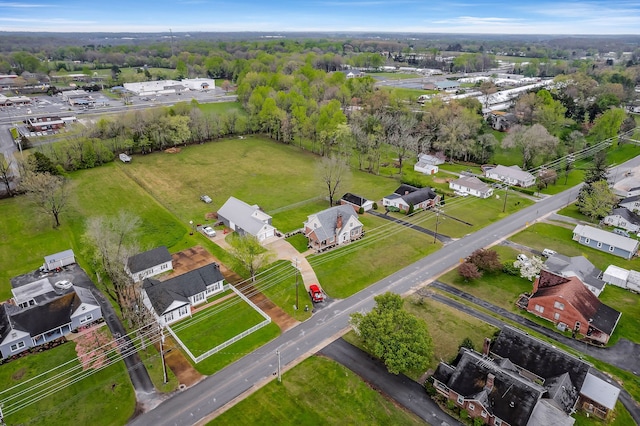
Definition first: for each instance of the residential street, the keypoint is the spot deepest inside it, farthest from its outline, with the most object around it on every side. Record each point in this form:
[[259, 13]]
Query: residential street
[[201, 401], [400, 388]]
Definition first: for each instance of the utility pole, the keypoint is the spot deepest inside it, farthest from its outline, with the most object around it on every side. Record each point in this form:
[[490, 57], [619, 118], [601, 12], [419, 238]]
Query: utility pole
[[279, 375], [435, 236], [164, 365], [295, 265], [171, 41], [504, 205]]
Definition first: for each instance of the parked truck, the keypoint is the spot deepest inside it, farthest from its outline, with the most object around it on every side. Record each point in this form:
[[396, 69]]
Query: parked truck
[[316, 293]]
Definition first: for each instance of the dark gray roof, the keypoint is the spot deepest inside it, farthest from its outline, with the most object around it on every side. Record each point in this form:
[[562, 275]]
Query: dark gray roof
[[626, 214], [42, 318], [328, 219], [163, 293], [148, 259], [562, 391], [578, 266], [538, 357], [405, 189], [630, 199], [413, 195], [512, 397], [354, 199]]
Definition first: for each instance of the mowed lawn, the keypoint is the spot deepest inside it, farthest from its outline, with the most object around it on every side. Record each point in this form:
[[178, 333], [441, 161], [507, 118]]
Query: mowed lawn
[[317, 391], [385, 248], [216, 324], [254, 169], [105, 397]]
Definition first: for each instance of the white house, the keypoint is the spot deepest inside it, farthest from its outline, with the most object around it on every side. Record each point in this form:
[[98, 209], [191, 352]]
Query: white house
[[623, 218], [149, 264], [471, 185], [58, 260], [246, 219], [631, 203], [513, 175], [172, 300]]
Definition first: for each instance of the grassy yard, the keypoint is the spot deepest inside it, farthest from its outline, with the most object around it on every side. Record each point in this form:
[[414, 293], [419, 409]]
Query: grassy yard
[[317, 391], [385, 248], [216, 324], [299, 241], [104, 398], [223, 108], [627, 303], [448, 327], [281, 290]]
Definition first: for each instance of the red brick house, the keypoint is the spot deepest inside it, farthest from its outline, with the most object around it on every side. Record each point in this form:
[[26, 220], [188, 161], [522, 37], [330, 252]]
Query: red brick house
[[569, 302]]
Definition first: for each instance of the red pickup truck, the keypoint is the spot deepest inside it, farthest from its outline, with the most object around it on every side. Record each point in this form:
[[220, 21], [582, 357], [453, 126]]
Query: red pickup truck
[[316, 293]]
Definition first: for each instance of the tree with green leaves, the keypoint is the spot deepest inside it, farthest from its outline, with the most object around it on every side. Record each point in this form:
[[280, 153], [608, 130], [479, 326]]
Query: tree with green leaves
[[395, 336], [249, 254], [5, 174], [596, 200], [607, 125], [599, 169]]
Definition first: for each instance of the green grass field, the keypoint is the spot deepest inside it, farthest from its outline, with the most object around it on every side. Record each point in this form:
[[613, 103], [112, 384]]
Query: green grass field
[[216, 324], [103, 398], [385, 248], [223, 108], [280, 288], [317, 391]]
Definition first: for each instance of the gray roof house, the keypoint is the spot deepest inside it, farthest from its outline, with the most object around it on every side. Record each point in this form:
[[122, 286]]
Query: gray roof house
[[407, 195], [55, 313], [149, 263], [606, 241], [471, 185], [173, 299], [512, 175], [577, 266], [623, 218], [331, 227], [246, 219], [631, 203]]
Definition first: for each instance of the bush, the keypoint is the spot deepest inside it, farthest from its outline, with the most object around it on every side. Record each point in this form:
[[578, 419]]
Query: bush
[[429, 388], [361, 210], [478, 422], [450, 404], [375, 206], [392, 209], [464, 414], [411, 209], [508, 268]]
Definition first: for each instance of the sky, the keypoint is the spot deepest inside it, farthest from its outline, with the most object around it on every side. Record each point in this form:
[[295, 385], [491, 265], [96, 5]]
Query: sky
[[419, 16]]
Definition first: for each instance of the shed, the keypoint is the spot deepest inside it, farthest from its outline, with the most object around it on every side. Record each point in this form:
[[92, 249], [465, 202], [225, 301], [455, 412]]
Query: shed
[[59, 260], [616, 276]]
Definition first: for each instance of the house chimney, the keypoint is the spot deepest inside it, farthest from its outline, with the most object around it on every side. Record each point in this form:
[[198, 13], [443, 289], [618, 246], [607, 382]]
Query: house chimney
[[488, 386], [485, 346], [339, 221], [406, 192]]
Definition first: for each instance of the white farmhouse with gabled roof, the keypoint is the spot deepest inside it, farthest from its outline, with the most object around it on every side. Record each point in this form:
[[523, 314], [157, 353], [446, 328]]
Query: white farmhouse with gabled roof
[[246, 219], [513, 175]]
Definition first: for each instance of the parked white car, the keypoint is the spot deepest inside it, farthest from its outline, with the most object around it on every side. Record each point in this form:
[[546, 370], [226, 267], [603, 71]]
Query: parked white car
[[548, 252], [209, 231], [63, 284], [523, 258], [206, 199]]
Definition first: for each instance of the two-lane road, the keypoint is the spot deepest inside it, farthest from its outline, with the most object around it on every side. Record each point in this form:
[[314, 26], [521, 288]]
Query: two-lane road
[[200, 401]]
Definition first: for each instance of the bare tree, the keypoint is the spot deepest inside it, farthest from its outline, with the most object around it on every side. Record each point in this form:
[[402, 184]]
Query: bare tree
[[50, 193], [333, 172], [400, 134], [531, 141], [5, 174]]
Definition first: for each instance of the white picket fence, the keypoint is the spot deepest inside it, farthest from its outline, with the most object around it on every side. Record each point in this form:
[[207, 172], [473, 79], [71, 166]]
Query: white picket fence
[[235, 338]]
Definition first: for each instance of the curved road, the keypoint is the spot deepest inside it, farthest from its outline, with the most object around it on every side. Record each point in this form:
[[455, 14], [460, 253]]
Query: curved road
[[202, 400]]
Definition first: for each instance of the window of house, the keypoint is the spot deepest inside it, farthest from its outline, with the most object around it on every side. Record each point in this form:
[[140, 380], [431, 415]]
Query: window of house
[[168, 317], [497, 422], [198, 297], [599, 244], [587, 240], [460, 399], [483, 414], [556, 316], [163, 266], [539, 308], [558, 305], [471, 407], [184, 310], [86, 318], [17, 346], [611, 248]]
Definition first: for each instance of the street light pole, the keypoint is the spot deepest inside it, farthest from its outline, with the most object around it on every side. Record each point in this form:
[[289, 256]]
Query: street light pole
[[504, 205], [164, 365]]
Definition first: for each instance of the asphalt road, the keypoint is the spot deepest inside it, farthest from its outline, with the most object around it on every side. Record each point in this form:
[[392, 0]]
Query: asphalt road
[[399, 388], [203, 399]]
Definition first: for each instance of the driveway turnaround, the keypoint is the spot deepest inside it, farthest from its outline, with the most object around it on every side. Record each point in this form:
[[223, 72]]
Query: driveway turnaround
[[399, 388]]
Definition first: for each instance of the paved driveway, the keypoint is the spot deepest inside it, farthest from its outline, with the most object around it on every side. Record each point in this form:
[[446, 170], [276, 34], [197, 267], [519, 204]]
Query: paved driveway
[[286, 251]]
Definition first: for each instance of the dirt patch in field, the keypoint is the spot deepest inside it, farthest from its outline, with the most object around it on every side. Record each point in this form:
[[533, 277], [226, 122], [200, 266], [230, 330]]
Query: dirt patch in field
[[179, 364], [172, 150], [441, 180], [19, 374]]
